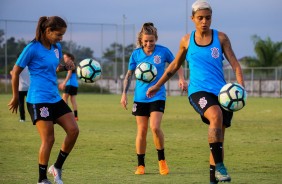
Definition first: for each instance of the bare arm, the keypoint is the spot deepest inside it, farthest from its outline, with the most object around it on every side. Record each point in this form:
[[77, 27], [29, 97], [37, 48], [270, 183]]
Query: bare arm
[[14, 102], [230, 56], [126, 85], [172, 68], [69, 65], [182, 82], [63, 84]]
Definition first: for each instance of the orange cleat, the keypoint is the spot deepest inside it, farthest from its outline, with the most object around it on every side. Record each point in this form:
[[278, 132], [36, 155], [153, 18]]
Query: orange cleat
[[163, 167], [140, 170]]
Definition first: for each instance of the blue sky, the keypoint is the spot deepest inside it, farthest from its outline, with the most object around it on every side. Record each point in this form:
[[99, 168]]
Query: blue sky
[[239, 19]]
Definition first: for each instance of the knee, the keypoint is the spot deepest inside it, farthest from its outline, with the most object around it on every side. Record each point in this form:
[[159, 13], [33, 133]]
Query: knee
[[216, 118], [155, 129], [73, 132], [48, 141]]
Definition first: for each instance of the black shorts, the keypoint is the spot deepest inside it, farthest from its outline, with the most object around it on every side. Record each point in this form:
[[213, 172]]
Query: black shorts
[[201, 101], [145, 109], [71, 90], [47, 111]]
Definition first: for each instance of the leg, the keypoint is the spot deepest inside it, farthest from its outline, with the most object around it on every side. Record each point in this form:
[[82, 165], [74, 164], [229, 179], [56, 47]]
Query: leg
[[73, 102], [67, 122], [212, 163], [141, 142], [158, 136], [65, 97], [74, 106], [46, 132], [22, 95], [215, 139], [142, 128], [155, 125]]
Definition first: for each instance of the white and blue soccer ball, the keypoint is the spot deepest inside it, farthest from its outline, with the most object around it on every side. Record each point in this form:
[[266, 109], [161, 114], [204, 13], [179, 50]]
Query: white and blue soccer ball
[[89, 70], [232, 97], [146, 72]]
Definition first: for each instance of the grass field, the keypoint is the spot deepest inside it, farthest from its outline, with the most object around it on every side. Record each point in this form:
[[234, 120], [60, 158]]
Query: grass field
[[105, 150]]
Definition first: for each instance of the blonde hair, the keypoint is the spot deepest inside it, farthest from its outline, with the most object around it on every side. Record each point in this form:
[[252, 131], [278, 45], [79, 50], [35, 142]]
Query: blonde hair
[[200, 5], [148, 28]]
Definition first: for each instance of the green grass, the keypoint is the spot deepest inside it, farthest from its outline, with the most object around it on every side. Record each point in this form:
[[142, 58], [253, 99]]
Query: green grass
[[105, 150]]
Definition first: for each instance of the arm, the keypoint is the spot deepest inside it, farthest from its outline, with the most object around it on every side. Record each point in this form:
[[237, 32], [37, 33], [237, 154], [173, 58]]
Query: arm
[[13, 104], [63, 84], [230, 56], [182, 82], [69, 65], [172, 68], [126, 85]]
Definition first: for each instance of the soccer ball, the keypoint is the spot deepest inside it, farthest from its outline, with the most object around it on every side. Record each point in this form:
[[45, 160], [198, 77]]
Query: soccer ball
[[232, 97], [146, 72], [89, 70]]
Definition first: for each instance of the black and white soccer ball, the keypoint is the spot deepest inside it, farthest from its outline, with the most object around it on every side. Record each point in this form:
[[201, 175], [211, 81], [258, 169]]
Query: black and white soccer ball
[[89, 70], [146, 72], [232, 97]]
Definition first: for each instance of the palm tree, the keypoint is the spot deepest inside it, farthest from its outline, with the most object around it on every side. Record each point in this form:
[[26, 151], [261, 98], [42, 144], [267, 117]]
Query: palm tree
[[269, 54]]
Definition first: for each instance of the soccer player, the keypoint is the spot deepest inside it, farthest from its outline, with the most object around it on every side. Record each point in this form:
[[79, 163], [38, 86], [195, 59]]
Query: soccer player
[[70, 85], [149, 108], [204, 49], [45, 105], [23, 89]]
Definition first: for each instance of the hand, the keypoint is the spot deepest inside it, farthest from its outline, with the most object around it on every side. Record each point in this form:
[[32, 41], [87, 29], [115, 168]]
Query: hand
[[183, 85], [152, 91], [123, 101], [13, 105], [62, 86]]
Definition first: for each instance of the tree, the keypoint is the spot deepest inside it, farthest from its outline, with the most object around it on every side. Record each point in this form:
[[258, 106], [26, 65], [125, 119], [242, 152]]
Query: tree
[[116, 48], [79, 52], [269, 54]]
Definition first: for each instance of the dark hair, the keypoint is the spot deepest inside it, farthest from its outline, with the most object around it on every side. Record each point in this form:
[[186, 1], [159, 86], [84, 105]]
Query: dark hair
[[54, 23], [69, 55], [148, 28]]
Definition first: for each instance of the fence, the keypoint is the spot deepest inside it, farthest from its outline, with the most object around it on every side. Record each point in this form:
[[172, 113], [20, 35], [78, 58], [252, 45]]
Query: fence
[[262, 82]]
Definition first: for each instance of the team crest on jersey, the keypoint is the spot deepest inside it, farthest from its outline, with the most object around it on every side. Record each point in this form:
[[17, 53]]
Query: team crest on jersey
[[56, 53], [157, 59], [44, 112], [134, 107], [203, 102], [214, 52]]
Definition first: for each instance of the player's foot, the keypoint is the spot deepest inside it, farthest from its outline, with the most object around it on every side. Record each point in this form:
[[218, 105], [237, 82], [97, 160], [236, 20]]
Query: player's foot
[[57, 174], [45, 181], [163, 167], [76, 118], [22, 120], [140, 170], [221, 174]]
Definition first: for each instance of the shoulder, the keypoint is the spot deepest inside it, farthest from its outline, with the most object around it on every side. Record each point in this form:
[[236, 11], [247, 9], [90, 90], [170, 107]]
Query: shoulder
[[30, 49], [184, 42], [222, 36]]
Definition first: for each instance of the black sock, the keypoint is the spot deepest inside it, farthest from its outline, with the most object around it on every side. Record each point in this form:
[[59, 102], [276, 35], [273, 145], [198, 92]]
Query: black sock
[[75, 113], [216, 150], [42, 172], [141, 159], [212, 173], [161, 155], [61, 159]]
